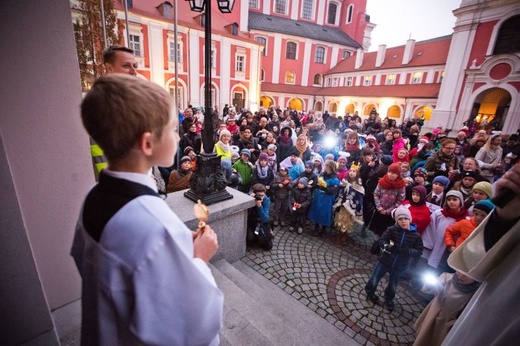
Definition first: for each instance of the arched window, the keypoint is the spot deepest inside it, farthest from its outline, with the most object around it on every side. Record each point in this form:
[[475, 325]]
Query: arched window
[[320, 55], [289, 77], [350, 12], [318, 79], [331, 13], [308, 9], [290, 52], [262, 41], [508, 38]]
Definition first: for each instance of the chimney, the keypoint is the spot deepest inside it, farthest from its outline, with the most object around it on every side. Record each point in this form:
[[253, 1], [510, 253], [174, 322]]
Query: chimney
[[359, 58], [380, 58], [408, 51]]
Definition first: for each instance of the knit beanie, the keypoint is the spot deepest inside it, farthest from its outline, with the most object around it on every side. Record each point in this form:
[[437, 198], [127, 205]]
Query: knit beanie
[[187, 150], [394, 168], [303, 181], [224, 132], [246, 152], [342, 159], [421, 171], [424, 139], [457, 194], [329, 157], [401, 212], [485, 187], [309, 164], [485, 205], [441, 179], [387, 159], [470, 174], [184, 159], [271, 147], [263, 156]]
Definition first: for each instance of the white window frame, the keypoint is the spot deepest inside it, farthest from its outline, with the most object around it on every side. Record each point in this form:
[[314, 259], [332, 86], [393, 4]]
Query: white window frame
[[296, 50], [264, 53], [284, 5], [132, 43], [323, 57], [416, 78], [390, 79], [314, 79], [335, 81], [180, 95], [294, 77], [311, 14], [350, 81], [349, 13], [346, 54], [367, 81], [338, 11], [253, 4], [240, 63]]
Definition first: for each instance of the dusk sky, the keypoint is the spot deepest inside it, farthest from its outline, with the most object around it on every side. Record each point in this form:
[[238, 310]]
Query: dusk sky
[[399, 20]]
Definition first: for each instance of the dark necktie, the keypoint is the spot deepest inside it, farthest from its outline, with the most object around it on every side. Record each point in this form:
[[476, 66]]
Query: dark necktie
[[434, 199]]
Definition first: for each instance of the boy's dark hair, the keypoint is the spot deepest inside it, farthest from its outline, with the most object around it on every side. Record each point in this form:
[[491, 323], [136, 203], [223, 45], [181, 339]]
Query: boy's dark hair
[[120, 108], [109, 55], [259, 188]]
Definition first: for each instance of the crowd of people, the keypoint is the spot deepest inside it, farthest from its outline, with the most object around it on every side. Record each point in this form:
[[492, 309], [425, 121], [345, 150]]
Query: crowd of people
[[422, 195]]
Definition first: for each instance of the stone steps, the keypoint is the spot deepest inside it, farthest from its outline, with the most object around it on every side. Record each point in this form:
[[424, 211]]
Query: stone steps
[[257, 312]]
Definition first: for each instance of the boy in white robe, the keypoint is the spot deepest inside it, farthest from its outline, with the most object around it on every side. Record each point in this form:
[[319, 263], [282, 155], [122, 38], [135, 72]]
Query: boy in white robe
[[145, 278]]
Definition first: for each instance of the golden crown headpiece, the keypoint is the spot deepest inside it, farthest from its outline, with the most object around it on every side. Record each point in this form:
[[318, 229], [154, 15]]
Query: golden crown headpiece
[[355, 165]]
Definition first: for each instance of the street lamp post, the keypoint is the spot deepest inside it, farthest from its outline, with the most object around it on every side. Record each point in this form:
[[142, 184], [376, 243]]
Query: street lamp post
[[208, 183]]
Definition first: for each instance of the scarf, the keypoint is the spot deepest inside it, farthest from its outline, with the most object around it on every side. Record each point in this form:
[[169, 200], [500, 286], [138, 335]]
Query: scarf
[[301, 148], [465, 288], [352, 147], [248, 142], [224, 147], [285, 139], [461, 215], [388, 184], [262, 171]]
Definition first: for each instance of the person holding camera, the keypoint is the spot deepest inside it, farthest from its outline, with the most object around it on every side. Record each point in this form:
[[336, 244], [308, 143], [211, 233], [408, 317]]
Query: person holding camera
[[258, 228], [399, 243]]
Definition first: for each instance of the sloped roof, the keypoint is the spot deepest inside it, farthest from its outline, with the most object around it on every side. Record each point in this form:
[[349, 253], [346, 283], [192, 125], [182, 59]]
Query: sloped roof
[[271, 23], [425, 53], [403, 91]]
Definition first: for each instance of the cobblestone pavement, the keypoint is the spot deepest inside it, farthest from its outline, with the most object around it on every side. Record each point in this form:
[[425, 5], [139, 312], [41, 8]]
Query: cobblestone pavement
[[329, 279]]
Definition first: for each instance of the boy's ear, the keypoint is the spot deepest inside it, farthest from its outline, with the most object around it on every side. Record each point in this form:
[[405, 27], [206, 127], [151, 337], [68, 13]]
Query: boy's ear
[[146, 143]]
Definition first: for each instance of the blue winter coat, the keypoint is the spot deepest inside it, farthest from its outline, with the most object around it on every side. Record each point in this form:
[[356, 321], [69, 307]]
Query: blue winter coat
[[323, 199]]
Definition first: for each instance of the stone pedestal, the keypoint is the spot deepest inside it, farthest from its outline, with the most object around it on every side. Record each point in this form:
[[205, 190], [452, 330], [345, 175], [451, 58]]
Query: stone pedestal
[[227, 218]]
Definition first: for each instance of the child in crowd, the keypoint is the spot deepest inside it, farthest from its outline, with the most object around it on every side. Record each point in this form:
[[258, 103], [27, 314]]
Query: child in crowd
[[293, 164], [419, 178], [280, 188], [418, 208], [272, 160], [318, 164], [465, 185], [188, 151], [223, 146], [452, 293], [481, 191], [349, 204], [399, 243], [233, 179], [461, 230], [342, 167], [435, 199], [308, 173], [323, 197], [258, 228], [262, 174], [402, 156], [299, 201], [180, 178], [136, 258], [405, 173], [433, 237], [245, 170], [388, 195]]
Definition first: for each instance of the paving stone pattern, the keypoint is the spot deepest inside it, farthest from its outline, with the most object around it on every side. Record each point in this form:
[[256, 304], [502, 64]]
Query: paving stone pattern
[[329, 279]]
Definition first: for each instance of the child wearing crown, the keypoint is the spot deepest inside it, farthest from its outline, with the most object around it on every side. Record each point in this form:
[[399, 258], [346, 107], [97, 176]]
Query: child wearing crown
[[349, 204]]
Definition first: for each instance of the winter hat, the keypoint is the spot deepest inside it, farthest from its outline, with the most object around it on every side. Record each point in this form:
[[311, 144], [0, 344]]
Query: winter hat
[[421, 190], [271, 147], [303, 180], [395, 168], [387, 159], [401, 212], [187, 150], [421, 171], [294, 152], [224, 132], [470, 174], [309, 164], [370, 137], [461, 133], [184, 159], [424, 139], [457, 194], [485, 187], [485, 205], [441, 179], [342, 159], [245, 151], [263, 156], [329, 157]]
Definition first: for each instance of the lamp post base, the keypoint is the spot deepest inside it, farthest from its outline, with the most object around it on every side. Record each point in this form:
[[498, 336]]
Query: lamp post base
[[208, 183]]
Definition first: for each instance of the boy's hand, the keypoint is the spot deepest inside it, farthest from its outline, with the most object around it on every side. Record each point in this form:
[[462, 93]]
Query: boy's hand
[[205, 244]]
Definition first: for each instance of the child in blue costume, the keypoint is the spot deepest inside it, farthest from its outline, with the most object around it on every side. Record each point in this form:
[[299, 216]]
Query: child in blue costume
[[323, 197]]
